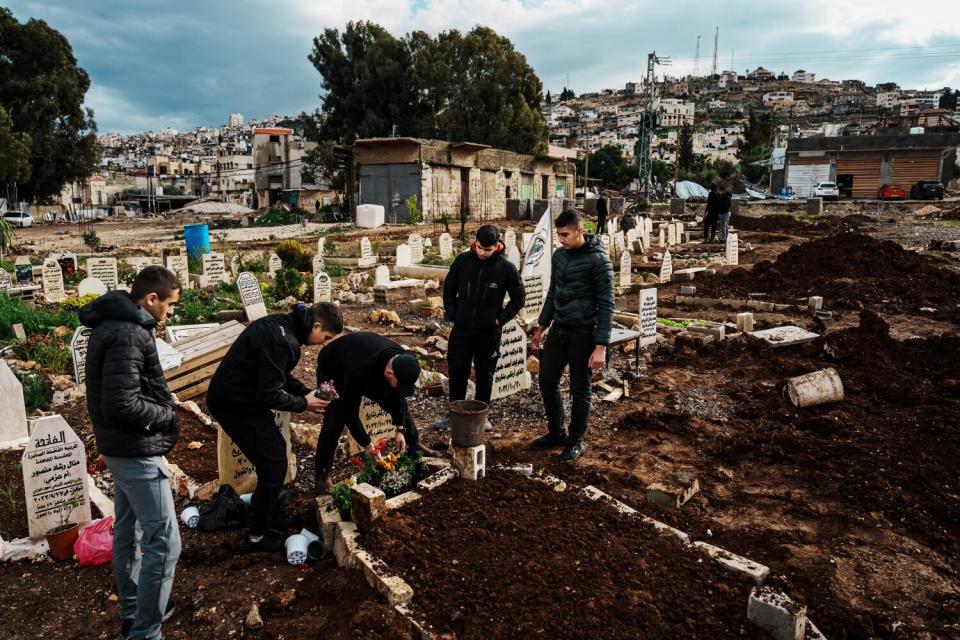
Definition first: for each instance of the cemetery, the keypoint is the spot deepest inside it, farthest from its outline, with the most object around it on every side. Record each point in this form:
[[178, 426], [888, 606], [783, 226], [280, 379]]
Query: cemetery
[[773, 441]]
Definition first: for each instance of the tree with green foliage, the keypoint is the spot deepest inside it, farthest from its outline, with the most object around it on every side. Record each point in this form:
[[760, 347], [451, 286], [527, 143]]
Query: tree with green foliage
[[608, 165], [42, 90], [949, 99], [548, 99], [567, 94], [15, 158], [685, 147]]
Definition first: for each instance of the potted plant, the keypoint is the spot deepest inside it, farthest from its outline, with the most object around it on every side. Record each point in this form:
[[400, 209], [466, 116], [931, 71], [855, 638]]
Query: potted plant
[[432, 385], [63, 536], [427, 310]]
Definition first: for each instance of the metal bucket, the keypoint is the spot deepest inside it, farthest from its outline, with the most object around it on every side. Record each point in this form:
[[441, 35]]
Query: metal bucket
[[819, 387], [467, 418]]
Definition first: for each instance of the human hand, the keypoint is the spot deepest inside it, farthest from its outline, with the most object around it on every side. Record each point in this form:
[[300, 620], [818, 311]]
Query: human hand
[[315, 404], [598, 358], [371, 451], [400, 441], [536, 338]]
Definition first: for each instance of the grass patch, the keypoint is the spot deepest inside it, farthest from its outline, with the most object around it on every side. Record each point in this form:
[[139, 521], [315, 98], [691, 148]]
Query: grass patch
[[33, 319], [49, 352], [37, 392]]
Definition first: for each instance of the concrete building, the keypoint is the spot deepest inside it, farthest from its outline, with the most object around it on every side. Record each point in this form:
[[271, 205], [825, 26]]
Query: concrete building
[[760, 75], [775, 98], [888, 99], [277, 162], [447, 177], [803, 76], [728, 79], [235, 121], [234, 178], [673, 112]]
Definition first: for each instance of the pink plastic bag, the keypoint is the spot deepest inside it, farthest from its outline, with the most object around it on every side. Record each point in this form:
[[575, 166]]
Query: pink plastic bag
[[95, 544]]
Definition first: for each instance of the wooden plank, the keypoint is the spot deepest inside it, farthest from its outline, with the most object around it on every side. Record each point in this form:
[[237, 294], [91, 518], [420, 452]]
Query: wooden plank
[[626, 389], [192, 392], [202, 340], [603, 385], [208, 342], [199, 337], [195, 363], [223, 341], [187, 380], [613, 396]]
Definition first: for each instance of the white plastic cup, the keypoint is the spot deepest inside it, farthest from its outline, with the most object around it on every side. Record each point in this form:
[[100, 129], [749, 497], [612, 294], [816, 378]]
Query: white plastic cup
[[190, 517], [246, 497], [296, 546], [316, 548]]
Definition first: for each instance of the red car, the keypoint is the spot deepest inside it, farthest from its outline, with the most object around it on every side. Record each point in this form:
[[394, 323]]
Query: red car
[[893, 191]]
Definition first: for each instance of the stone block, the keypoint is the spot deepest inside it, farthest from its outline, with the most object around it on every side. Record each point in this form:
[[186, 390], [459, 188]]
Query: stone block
[[305, 435], [394, 588], [328, 517], [812, 633], [525, 469], [399, 291], [367, 504], [471, 462], [815, 303], [345, 544], [433, 481], [672, 494], [756, 571], [533, 364], [717, 332], [745, 322], [688, 290], [814, 206], [403, 499], [777, 614]]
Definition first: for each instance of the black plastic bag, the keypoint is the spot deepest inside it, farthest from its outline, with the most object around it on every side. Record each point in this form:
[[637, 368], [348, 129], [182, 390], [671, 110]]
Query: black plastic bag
[[225, 511]]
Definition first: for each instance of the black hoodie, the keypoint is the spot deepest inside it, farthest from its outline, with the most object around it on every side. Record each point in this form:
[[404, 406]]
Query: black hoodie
[[127, 397], [580, 297], [256, 371], [474, 289]]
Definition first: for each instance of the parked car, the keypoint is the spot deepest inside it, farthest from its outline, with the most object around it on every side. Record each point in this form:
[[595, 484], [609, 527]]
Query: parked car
[[893, 191], [18, 218], [927, 190], [826, 190]]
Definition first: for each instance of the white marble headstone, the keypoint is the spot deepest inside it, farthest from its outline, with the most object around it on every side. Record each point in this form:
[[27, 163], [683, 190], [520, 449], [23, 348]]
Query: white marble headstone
[[367, 259], [381, 274], [322, 288], [251, 296], [53, 281], [180, 267], [416, 248], [377, 423], [511, 375], [509, 239], [625, 264], [733, 249], [666, 268], [13, 413], [533, 302], [648, 316], [446, 245], [513, 255], [671, 234], [104, 270], [403, 255], [274, 264], [78, 351], [318, 264]]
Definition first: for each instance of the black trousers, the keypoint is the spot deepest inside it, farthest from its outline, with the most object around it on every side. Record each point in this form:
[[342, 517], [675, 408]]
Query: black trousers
[[334, 420], [560, 349], [256, 434], [709, 227], [481, 347]]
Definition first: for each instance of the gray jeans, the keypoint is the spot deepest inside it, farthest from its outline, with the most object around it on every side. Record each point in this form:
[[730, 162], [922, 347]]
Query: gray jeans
[[146, 541]]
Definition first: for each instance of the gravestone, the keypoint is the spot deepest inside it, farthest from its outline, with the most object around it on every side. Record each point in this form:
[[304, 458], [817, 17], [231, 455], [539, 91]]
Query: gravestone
[[511, 374], [180, 267], [68, 262], [321, 246], [274, 264], [509, 239], [140, 263], [251, 296], [445, 245], [645, 234], [214, 269], [322, 289], [13, 413], [236, 470], [5, 281], [381, 275], [53, 281], [54, 477], [416, 248], [104, 270], [403, 255], [671, 234], [23, 270], [377, 422], [427, 243], [533, 303], [318, 264], [662, 238], [631, 236], [513, 256], [78, 350], [679, 226], [181, 332], [733, 249], [611, 226], [235, 266], [625, 264], [666, 269], [605, 243], [648, 316], [367, 259]]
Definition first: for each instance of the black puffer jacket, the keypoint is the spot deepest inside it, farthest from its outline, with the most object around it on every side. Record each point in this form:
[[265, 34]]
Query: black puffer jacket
[[580, 297], [127, 397], [256, 372], [474, 289]]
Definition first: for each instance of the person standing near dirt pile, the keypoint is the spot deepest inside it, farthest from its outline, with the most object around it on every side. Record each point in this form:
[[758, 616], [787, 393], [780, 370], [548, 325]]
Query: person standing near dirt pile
[[473, 294], [135, 425], [364, 364], [711, 214], [578, 310], [723, 210], [252, 382]]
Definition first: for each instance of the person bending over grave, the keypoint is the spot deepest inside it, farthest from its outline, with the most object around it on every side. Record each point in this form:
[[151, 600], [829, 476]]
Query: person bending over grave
[[578, 310], [473, 294], [364, 364], [252, 382], [135, 425], [627, 222]]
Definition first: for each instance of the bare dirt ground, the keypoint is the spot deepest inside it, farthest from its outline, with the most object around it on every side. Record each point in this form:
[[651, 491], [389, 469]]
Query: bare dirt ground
[[853, 505]]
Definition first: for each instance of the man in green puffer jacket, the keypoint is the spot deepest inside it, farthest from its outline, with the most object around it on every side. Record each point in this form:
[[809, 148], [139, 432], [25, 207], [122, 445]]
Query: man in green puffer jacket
[[579, 311]]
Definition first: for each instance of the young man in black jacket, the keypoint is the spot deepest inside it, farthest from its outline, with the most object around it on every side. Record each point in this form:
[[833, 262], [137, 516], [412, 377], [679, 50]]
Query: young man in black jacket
[[473, 294], [135, 425], [252, 382], [364, 364], [579, 312]]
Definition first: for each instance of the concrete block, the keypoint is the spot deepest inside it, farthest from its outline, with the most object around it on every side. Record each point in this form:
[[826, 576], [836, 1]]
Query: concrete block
[[523, 469], [663, 527], [672, 494], [345, 544], [814, 206], [367, 504], [433, 481], [394, 588], [688, 290], [403, 499], [815, 303], [471, 462], [777, 614], [328, 517], [756, 571], [745, 321], [717, 332]]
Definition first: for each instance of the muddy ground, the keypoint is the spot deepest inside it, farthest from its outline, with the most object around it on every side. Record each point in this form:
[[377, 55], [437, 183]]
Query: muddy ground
[[853, 505]]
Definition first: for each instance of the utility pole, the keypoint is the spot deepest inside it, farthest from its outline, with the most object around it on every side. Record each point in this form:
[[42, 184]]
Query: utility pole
[[648, 122], [586, 167], [696, 60], [716, 41]]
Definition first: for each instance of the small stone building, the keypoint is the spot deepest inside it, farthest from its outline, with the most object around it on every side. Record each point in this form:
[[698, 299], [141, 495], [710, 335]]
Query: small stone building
[[445, 176]]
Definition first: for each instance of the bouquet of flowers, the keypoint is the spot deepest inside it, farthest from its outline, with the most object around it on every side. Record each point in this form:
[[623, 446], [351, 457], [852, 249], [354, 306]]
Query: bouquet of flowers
[[327, 391]]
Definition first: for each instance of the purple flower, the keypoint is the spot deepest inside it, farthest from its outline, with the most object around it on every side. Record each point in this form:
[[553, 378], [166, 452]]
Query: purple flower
[[328, 391]]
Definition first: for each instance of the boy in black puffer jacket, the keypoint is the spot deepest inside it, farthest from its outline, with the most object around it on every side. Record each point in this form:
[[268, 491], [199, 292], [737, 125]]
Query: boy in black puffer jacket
[[135, 425], [579, 311], [473, 294]]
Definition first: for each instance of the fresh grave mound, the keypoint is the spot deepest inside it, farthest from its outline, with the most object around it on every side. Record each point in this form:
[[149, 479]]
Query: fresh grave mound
[[778, 223], [848, 270], [508, 557], [13, 506]]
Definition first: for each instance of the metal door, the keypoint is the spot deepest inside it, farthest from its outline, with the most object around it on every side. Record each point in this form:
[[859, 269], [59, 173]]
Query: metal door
[[389, 185]]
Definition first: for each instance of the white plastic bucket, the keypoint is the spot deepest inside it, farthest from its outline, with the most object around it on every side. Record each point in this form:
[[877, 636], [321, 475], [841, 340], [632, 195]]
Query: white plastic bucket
[[296, 546], [316, 549], [190, 517], [819, 387]]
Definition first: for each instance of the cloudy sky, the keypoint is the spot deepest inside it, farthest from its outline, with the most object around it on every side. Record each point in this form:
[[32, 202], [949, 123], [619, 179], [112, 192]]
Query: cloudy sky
[[184, 64]]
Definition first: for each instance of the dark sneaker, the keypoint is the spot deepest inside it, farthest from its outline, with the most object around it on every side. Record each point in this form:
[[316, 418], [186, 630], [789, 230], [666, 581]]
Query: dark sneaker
[[573, 451], [323, 485], [287, 521], [169, 611], [551, 440], [487, 426], [125, 627], [443, 423], [270, 542]]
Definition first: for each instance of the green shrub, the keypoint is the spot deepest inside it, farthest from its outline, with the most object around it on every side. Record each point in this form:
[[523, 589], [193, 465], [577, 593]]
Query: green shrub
[[287, 282], [33, 319], [49, 352], [92, 240], [37, 392], [294, 256], [413, 211]]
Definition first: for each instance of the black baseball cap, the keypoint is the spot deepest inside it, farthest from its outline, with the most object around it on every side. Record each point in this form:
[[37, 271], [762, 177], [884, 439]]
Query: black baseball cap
[[407, 370]]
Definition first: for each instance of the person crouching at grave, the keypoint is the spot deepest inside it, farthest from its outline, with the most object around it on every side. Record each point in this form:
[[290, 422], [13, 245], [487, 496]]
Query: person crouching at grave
[[252, 382], [359, 365], [473, 294], [627, 222], [578, 310], [135, 425]]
